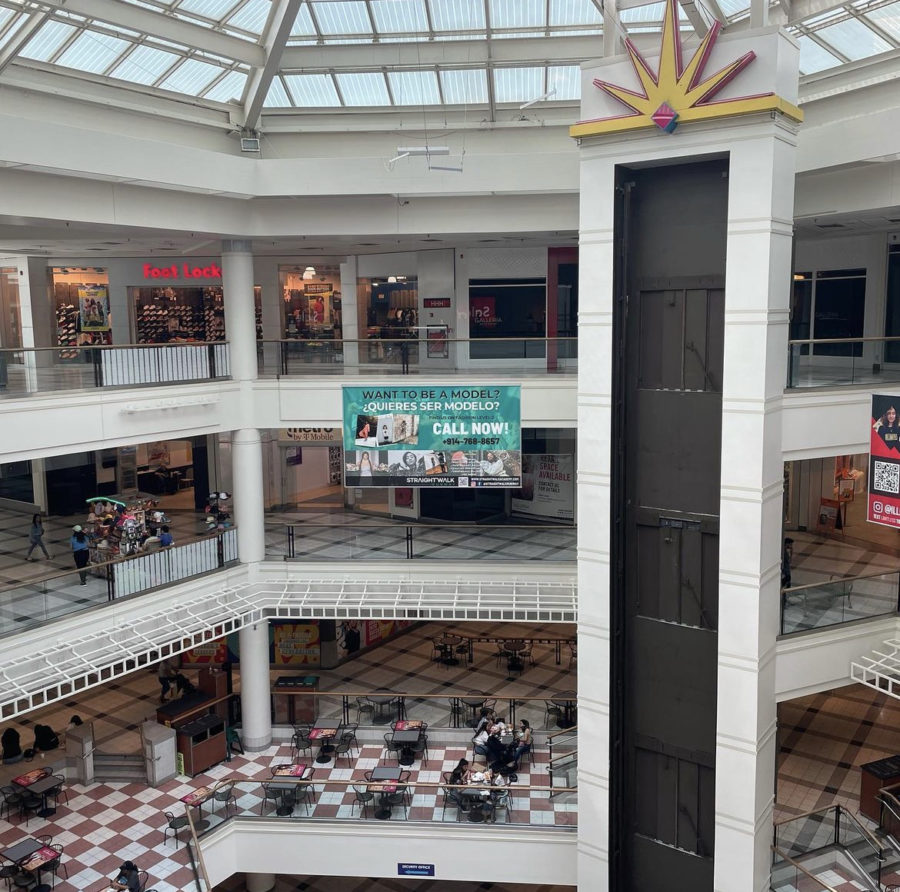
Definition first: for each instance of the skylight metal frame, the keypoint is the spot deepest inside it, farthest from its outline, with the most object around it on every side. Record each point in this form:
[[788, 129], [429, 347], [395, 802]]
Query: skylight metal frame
[[75, 664], [880, 672]]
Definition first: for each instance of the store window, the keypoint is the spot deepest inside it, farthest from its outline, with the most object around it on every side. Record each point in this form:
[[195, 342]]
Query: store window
[[312, 302], [183, 314], [10, 318], [508, 317], [390, 308], [81, 307], [829, 304], [892, 313]]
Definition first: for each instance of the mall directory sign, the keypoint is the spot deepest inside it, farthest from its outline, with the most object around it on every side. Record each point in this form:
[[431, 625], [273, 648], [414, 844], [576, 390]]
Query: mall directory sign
[[422, 436], [884, 458]]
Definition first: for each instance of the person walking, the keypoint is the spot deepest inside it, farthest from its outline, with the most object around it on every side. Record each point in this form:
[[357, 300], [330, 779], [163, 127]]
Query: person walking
[[36, 538], [80, 551]]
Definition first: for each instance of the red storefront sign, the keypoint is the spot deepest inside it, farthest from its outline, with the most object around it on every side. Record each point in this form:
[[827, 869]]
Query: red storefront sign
[[435, 303], [182, 271]]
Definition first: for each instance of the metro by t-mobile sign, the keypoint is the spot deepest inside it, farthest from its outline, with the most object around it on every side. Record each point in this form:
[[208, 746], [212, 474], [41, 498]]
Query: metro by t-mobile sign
[[184, 271]]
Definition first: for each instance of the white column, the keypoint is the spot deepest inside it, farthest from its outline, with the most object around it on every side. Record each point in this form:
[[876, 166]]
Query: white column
[[350, 327], [35, 316], [758, 276], [256, 714], [39, 484], [240, 314], [596, 261], [247, 476]]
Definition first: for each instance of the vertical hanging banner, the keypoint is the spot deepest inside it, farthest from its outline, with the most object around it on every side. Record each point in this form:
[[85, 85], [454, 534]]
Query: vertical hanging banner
[[884, 462], [93, 307], [464, 436]]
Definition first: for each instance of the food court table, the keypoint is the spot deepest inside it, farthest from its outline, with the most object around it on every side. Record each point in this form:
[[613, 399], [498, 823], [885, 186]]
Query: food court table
[[512, 649], [448, 645], [406, 740], [21, 850], [478, 795], [325, 731], [197, 798], [384, 773], [41, 788]]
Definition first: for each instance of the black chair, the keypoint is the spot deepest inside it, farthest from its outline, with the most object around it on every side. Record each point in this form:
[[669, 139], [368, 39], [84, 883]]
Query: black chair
[[56, 864], [30, 804], [143, 879], [398, 797], [420, 747], [24, 880], [7, 872], [224, 792], [363, 796], [233, 740], [300, 741], [12, 798], [174, 824], [552, 713], [59, 790], [363, 704], [45, 839], [342, 748], [305, 792], [392, 747], [349, 733], [273, 792]]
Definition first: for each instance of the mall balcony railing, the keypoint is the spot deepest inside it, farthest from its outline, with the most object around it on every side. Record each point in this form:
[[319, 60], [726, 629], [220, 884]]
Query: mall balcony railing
[[839, 600], [314, 797], [50, 598], [525, 356], [51, 369], [830, 838], [395, 541], [843, 362]]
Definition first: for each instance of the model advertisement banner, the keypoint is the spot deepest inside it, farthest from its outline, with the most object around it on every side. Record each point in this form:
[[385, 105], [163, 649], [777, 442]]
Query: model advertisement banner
[[464, 436], [548, 487], [93, 307], [884, 457]]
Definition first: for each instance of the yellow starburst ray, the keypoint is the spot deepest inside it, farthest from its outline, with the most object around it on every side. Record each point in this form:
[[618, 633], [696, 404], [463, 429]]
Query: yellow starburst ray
[[681, 88]]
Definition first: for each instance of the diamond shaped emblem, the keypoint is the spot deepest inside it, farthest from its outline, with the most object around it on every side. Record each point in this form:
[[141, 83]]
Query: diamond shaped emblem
[[665, 117]]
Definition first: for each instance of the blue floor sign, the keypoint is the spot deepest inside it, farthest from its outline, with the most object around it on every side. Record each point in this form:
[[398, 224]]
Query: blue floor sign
[[415, 870]]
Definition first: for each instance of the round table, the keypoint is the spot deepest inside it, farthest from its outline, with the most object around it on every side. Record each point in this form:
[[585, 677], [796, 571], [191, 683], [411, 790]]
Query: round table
[[513, 649], [448, 643]]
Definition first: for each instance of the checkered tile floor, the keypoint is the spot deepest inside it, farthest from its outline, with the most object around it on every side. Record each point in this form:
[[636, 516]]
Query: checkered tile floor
[[103, 824]]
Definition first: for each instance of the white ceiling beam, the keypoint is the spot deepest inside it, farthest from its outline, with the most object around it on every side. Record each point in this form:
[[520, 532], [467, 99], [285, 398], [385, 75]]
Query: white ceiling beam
[[155, 24], [759, 13], [695, 16], [614, 33], [528, 50], [803, 9], [278, 29], [21, 37]]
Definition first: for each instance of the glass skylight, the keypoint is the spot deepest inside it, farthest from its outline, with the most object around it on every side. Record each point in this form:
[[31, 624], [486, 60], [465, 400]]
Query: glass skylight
[[464, 86], [518, 84], [399, 16], [93, 52], [363, 88], [175, 56], [312, 90], [414, 87], [145, 65], [43, 45]]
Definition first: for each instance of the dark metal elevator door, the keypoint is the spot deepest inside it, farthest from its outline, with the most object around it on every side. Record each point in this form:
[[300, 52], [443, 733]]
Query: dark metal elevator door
[[669, 332]]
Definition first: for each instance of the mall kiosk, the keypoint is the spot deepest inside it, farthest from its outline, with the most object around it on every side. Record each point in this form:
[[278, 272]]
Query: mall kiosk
[[199, 720], [874, 776]]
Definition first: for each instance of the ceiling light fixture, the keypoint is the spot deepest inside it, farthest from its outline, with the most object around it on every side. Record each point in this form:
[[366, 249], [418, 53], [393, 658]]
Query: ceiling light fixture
[[531, 102], [309, 273]]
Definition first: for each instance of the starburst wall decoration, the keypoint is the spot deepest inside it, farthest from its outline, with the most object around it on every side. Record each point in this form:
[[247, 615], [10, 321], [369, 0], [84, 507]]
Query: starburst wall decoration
[[677, 92]]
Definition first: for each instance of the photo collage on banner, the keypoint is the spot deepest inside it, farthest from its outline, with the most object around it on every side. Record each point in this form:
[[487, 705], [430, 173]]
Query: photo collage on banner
[[462, 436], [884, 457]]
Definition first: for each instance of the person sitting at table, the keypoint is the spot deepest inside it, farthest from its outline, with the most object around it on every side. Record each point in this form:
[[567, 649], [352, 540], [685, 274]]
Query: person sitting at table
[[460, 775], [523, 744], [128, 879], [496, 752]]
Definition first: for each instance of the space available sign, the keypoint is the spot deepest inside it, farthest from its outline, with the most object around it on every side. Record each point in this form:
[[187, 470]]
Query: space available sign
[[548, 487], [884, 462], [462, 435]]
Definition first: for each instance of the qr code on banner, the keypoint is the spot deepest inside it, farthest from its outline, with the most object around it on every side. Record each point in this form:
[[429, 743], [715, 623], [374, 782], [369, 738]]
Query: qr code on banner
[[887, 477]]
